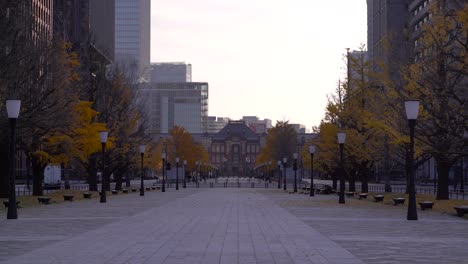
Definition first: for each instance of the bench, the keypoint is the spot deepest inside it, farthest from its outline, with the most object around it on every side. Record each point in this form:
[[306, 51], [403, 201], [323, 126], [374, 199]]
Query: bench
[[362, 196], [67, 197], [426, 205], [6, 203], [398, 200], [153, 187], [43, 200], [124, 190], [148, 188], [349, 194], [115, 192], [325, 190], [87, 195], [378, 198], [461, 210], [134, 189]]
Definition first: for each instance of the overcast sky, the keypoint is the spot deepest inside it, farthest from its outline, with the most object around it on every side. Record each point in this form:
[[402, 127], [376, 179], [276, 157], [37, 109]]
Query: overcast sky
[[274, 59]]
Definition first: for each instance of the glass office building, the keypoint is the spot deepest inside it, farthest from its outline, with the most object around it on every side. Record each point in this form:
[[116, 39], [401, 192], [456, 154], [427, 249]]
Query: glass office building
[[170, 104], [132, 34]]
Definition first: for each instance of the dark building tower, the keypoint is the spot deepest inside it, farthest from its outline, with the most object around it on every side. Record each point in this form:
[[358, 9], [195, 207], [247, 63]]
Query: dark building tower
[[71, 21], [102, 24], [84, 22], [387, 32]]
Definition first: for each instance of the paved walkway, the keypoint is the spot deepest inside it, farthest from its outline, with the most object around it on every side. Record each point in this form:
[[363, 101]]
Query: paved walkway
[[227, 226]]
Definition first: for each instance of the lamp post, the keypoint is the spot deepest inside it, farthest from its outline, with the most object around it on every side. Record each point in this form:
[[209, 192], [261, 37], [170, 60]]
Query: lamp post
[[13, 109], [341, 141], [185, 173], [142, 154], [295, 170], [312, 152], [412, 110], [285, 160], [196, 173], [177, 174], [163, 156], [103, 137], [279, 174]]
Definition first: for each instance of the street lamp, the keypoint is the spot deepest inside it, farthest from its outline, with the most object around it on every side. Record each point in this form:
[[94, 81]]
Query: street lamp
[[177, 174], [341, 141], [279, 174], [103, 137], [142, 154], [185, 173], [295, 170], [312, 152], [163, 156], [13, 109], [412, 110], [285, 160]]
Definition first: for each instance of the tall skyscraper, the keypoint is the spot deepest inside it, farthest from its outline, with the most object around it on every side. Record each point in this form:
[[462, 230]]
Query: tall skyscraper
[[132, 35]]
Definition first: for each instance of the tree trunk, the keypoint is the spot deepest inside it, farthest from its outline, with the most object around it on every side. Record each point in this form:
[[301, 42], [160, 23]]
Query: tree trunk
[[443, 169], [352, 182], [67, 179], [127, 180], [364, 182], [335, 181], [118, 181], [92, 174], [38, 177], [388, 186]]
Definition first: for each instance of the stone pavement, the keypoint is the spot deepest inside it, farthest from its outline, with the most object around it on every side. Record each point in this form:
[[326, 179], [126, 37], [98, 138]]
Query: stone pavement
[[228, 226], [377, 233]]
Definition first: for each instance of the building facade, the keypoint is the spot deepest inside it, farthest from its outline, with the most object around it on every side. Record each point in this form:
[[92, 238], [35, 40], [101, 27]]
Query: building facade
[[168, 72], [132, 35], [169, 104], [42, 24], [235, 148]]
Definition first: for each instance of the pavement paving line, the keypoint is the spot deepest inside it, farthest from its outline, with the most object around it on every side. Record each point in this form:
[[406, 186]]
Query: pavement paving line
[[68, 218], [31, 238], [311, 218], [400, 239]]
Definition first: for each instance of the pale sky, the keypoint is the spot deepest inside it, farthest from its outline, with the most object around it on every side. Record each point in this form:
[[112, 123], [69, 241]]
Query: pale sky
[[275, 59]]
